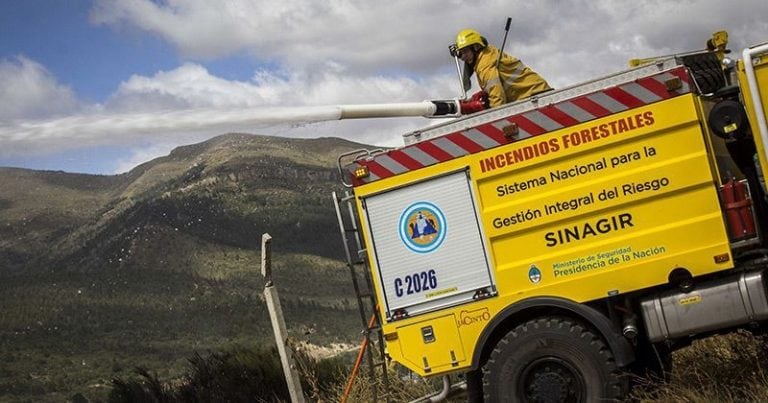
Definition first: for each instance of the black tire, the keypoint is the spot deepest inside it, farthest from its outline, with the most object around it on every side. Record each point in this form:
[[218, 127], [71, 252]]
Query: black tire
[[552, 360], [707, 71], [474, 386]]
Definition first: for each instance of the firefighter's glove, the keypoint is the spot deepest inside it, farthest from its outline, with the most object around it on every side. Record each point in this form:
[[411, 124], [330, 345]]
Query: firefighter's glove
[[482, 96], [477, 103], [470, 106]]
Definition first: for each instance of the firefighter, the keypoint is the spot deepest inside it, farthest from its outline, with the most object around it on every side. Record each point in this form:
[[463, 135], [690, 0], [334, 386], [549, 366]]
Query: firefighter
[[503, 80]]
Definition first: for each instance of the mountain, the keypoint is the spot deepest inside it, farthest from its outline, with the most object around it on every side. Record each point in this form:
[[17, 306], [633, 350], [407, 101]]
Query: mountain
[[226, 191], [103, 274]]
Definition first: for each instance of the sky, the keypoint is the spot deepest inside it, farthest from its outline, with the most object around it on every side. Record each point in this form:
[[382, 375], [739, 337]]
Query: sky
[[100, 86]]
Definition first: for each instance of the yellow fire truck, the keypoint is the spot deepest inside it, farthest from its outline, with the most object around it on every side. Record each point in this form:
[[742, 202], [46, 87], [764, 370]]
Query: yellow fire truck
[[549, 247]]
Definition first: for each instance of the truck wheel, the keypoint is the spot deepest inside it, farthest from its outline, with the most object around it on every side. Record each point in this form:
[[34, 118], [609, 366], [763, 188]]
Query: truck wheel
[[552, 360], [474, 386]]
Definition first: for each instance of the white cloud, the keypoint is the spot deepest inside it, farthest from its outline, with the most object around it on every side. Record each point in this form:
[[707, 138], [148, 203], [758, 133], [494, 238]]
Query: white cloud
[[188, 86], [566, 41], [340, 52], [28, 90]]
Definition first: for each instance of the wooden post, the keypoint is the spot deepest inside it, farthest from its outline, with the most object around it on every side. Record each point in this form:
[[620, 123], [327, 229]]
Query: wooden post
[[278, 323]]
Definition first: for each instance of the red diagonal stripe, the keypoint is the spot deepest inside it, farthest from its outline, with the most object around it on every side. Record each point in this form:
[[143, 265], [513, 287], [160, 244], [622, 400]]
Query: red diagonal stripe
[[526, 125], [493, 132], [434, 151], [656, 87], [377, 169], [623, 97], [465, 143], [558, 116], [591, 106], [405, 160]]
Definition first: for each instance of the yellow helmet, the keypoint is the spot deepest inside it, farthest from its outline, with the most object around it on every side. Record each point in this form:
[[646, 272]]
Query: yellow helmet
[[469, 37]]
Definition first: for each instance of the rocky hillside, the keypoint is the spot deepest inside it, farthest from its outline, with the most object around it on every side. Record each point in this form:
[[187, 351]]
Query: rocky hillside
[[227, 191]]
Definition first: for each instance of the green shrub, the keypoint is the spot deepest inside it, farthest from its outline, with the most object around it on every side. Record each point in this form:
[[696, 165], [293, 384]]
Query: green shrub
[[239, 375]]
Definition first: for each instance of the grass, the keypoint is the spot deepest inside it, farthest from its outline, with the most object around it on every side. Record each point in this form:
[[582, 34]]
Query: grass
[[726, 368], [63, 334]]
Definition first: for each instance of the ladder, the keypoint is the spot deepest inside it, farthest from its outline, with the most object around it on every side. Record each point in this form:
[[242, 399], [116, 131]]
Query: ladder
[[366, 301]]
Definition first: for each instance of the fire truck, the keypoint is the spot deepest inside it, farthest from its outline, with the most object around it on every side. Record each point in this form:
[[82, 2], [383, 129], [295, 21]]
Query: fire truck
[[552, 247]]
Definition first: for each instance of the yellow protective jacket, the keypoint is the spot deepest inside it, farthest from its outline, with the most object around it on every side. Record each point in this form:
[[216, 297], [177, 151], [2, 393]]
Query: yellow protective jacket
[[512, 81]]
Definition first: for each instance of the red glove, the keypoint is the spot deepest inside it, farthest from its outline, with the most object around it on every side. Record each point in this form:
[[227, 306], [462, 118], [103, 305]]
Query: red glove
[[470, 106], [478, 102], [481, 96]]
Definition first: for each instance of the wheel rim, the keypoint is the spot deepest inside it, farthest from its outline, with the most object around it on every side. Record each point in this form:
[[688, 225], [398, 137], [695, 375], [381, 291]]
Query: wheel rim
[[551, 379]]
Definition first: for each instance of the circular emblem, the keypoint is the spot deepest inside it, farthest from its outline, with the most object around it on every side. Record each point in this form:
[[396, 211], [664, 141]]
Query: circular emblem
[[422, 227], [534, 274]]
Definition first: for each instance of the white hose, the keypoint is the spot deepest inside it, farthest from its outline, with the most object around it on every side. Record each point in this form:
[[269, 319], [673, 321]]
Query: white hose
[[424, 108]]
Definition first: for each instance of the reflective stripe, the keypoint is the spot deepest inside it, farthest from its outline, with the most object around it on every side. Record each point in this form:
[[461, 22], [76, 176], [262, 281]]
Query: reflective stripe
[[542, 120], [606, 102], [570, 109], [420, 156], [393, 166], [640, 93], [492, 82], [515, 74], [480, 138], [450, 147]]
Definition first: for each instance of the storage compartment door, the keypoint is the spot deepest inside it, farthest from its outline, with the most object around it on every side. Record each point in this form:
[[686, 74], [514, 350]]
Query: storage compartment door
[[428, 246]]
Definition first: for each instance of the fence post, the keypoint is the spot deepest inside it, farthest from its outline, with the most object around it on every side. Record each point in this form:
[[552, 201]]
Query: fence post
[[278, 323]]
